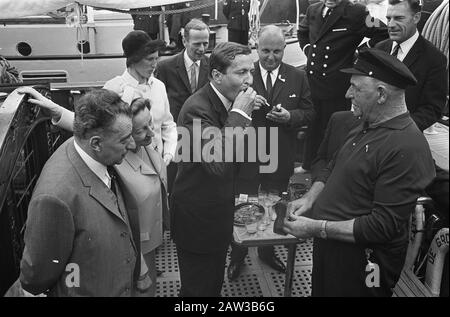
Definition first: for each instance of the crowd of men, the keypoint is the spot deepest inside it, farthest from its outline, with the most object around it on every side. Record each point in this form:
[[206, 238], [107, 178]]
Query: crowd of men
[[368, 169]]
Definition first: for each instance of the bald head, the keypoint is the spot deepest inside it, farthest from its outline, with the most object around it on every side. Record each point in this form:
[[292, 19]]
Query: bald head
[[271, 31], [271, 44]]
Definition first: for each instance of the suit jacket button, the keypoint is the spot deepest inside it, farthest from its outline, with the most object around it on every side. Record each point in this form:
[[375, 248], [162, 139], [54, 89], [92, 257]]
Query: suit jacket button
[[323, 74], [313, 54], [128, 260], [326, 56], [312, 63], [123, 234], [311, 72], [314, 46], [325, 65], [327, 48]]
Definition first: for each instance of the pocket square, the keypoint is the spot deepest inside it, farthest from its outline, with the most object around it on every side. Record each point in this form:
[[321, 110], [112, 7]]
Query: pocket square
[[293, 96], [339, 30]]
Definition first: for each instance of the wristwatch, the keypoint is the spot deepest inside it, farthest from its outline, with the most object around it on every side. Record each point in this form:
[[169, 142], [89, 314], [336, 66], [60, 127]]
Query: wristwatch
[[323, 229]]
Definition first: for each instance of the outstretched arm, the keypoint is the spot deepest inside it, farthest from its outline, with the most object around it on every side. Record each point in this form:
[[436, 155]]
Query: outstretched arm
[[61, 117]]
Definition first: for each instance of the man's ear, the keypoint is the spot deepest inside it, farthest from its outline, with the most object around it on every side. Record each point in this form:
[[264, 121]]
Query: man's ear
[[216, 76], [416, 17], [382, 94], [95, 143]]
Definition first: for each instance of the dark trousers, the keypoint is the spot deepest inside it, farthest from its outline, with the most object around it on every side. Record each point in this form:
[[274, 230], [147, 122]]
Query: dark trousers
[[339, 271], [171, 174], [238, 36], [238, 252], [201, 274], [314, 136]]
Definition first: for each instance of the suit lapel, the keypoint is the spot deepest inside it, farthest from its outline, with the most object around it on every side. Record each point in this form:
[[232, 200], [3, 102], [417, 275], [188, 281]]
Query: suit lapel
[[279, 83], [334, 16], [219, 107], [203, 73], [157, 162], [414, 53], [258, 83], [181, 69], [97, 189]]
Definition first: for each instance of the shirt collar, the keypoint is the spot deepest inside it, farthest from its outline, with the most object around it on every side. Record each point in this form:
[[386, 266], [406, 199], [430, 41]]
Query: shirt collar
[[408, 44], [188, 61], [397, 123], [133, 81], [96, 167], [264, 71], [227, 103]]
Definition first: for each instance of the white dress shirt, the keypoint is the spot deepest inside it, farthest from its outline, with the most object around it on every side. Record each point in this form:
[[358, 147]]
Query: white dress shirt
[[405, 47], [273, 75], [188, 64], [227, 103], [96, 167]]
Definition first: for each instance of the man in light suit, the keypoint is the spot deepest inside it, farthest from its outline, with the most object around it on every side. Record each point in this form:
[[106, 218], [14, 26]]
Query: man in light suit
[[279, 84], [81, 238], [185, 73], [203, 195], [426, 100], [329, 35]]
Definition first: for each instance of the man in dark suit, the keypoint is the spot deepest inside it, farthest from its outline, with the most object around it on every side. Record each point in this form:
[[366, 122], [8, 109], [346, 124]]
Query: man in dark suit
[[175, 72], [77, 212], [329, 35], [146, 22], [203, 194], [284, 85], [185, 73], [426, 100], [236, 12]]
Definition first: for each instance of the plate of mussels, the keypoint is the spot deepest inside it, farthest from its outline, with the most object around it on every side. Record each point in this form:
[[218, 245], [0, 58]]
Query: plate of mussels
[[247, 212]]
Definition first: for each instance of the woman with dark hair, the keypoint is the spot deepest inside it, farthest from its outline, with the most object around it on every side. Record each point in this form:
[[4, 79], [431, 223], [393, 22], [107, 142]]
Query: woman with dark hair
[[143, 173]]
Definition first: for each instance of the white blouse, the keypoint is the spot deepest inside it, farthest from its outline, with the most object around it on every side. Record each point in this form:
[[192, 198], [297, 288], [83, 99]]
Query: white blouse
[[165, 139]]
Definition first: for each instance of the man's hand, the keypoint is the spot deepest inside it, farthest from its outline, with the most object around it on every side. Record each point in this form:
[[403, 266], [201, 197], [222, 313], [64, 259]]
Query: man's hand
[[39, 100], [299, 207], [260, 102], [245, 101], [167, 158], [301, 227], [282, 116]]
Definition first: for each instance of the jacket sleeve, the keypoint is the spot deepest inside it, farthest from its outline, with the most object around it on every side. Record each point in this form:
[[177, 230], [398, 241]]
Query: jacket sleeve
[[304, 114], [169, 133], [48, 243], [322, 158], [215, 142], [434, 95], [226, 9], [303, 31]]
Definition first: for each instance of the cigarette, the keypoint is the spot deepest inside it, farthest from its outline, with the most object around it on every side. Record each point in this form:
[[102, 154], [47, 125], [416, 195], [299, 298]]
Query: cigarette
[[278, 107]]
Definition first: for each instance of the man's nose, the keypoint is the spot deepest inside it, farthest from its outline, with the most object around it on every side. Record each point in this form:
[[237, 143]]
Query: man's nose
[[348, 94], [249, 79], [131, 145]]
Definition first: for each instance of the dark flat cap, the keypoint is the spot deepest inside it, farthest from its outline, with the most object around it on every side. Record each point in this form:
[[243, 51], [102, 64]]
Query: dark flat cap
[[139, 42], [378, 64]]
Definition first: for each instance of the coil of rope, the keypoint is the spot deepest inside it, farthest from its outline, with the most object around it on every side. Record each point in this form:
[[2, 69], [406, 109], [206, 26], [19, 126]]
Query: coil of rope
[[436, 28], [8, 73]]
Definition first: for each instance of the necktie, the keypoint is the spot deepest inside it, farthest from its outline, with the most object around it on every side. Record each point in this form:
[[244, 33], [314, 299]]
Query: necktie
[[113, 175], [395, 51], [193, 77], [269, 84]]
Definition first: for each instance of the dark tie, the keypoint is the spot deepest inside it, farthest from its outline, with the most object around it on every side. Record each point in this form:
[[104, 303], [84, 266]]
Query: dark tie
[[193, 77], [269, 84], [113, 174], [395, 51]]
